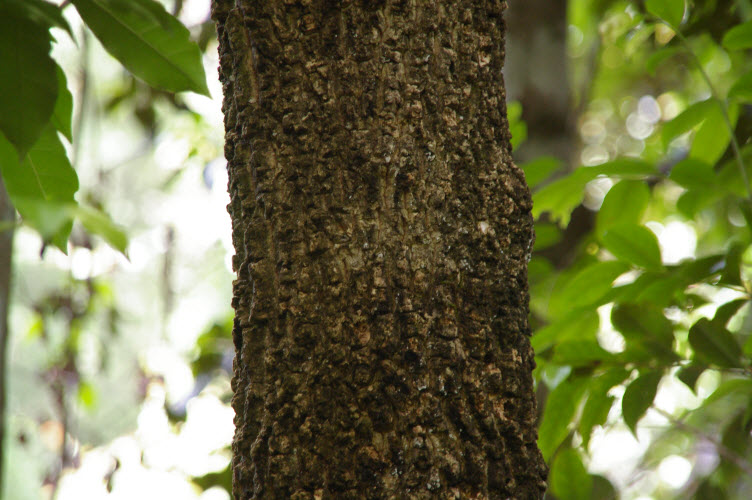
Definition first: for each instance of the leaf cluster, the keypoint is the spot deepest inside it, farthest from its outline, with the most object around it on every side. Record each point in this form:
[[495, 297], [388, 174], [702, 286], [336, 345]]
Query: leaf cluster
[[36, 106], [625, 320]]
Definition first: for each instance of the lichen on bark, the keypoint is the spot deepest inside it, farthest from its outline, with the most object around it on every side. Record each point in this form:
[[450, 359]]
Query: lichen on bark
[[382, 234]]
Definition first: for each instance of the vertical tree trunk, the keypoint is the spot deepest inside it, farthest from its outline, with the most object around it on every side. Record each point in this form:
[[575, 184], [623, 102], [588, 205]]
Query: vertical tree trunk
[[382, 237]]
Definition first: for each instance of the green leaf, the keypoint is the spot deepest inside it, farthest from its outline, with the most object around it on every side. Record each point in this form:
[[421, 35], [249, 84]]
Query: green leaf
[[539, 169], [99, 223], [745, 207], [730, 389], [742, 88], [631, 291], [560, 408], [688, 119], [580, 353], [560, 197], [62, 115], [517, 127], [42, 186], [695, 270], [563, 195], [598, 402], [45, 173], [624, 203], [575, 325], [602, 488], [43, 13], [727, 311], [662, 292], [747, 417], [689, 375], [634, 244], [619, 28], [634, 40], [546, 235], [590, 284], [42, 189], [732, 265], [735, 434], [148, 41], [665, 288], [729, 175], [569, 478], [638, 397], [739, 37], [539, 269], [643, 321], [713, 136], [658, 57], [632, 168], [693, 201], [692, 173], [28, 86], [714, 344], [52, 220], [645, 329], [671, 11]]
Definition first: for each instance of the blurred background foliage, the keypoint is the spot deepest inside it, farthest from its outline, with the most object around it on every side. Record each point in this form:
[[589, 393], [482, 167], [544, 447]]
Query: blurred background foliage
[[640, 273], [120, 350], [632, 122]]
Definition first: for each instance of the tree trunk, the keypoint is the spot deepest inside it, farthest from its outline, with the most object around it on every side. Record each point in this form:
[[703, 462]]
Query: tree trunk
[[382, 235]]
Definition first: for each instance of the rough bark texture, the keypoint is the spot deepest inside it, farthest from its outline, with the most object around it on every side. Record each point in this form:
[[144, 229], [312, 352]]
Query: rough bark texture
[[382, 236]]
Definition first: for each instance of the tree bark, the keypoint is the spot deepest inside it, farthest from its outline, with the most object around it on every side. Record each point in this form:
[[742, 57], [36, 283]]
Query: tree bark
[[382, 235]]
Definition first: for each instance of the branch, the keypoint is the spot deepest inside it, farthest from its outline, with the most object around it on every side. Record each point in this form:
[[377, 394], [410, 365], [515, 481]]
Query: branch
[[723, 450]]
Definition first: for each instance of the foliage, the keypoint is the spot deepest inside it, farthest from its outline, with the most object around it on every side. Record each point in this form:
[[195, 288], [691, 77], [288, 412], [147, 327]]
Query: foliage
[[628, 321], [84, 327], [35, 103]]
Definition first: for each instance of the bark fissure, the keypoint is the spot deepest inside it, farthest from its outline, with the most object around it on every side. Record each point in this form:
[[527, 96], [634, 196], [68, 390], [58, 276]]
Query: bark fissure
[[382, 234]]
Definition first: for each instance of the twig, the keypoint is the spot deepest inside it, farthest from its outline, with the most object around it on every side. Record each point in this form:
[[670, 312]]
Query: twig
[[59, 388], [723, 450], [83, 94]]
